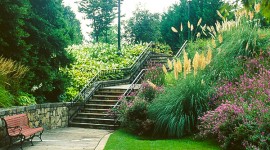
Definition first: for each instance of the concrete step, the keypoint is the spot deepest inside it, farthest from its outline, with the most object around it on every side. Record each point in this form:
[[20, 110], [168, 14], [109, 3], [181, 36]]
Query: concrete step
[[99, 106], [94, 120], [117, 93], [94, 115], [100, 101], [112, 90], [94, 126], [93, 110], [106, 97]]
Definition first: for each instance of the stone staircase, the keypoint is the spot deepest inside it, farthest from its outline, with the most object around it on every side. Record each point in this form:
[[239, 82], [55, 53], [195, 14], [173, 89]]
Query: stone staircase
[[95, 113]]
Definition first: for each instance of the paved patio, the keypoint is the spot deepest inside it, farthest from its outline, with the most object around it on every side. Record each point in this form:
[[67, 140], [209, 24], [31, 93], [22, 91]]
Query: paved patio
[[69, 139]]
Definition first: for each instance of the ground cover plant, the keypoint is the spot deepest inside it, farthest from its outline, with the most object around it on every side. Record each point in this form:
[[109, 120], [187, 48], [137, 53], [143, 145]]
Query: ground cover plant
[[92, 58], [240, 119], [122, 140]]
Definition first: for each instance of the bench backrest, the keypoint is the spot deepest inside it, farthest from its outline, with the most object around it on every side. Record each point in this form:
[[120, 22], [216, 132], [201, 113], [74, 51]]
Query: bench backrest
[[16, 120]]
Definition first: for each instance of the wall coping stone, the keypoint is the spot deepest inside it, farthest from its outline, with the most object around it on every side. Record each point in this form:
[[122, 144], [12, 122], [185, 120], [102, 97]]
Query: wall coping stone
[[16, 109]]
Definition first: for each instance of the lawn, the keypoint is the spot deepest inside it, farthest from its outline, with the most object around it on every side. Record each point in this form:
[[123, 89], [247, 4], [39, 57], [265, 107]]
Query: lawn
[[121, 140]]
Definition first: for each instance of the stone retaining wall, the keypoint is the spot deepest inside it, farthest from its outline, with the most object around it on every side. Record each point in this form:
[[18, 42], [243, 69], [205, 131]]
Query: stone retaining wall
[[49, 116]]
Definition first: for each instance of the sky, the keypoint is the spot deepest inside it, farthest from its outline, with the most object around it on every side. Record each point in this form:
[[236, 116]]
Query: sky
[[127, 8]]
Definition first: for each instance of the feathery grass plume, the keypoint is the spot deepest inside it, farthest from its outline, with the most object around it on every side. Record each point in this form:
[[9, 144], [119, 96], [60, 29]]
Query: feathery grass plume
[[189, 65], [175, 71], [251, 15], [181, 27], [203, 61], [198, 35], [219, 14], [164, 69], [257, 7], [179, 66], [203, 29], [188, 24], [191, 27], [213, 31], [152, 84], [199, 22], [195, 63], [174, 30], [170, 64], [214, 43], [220, 38], [209, 56], [218, 27], [186, 64]]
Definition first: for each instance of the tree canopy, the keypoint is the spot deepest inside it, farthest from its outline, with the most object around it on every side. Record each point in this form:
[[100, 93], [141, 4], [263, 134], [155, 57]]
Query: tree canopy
[[178, 16], [36, 33], [101, 13], [144, 26]]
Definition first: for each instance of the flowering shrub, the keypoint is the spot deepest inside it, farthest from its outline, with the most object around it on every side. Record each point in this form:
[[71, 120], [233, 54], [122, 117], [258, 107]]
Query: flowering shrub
[[241, 119], [155, 74], [133, 116], [133, 113]]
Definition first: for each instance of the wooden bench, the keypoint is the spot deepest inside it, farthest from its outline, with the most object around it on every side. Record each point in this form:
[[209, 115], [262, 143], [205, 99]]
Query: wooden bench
[[18, 128]]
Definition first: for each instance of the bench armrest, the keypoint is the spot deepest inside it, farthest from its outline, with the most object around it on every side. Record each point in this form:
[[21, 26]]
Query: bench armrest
[[13, 129]]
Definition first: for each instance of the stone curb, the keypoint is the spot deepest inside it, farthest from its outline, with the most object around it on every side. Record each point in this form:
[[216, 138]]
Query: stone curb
[[103, 141]]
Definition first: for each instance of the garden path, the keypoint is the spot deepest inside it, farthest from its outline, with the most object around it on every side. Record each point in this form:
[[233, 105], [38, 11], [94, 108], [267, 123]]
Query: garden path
[[69, 139]]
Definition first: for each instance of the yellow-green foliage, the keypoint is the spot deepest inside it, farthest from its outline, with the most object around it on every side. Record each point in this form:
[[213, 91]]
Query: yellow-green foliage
[[10, 74]]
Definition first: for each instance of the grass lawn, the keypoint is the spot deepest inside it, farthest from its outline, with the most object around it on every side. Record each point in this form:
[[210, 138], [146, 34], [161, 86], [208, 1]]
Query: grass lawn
[[120, 140]]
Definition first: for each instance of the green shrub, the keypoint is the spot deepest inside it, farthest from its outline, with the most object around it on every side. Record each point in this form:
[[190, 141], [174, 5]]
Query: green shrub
[[25, 99], [134, 116], [91, 58], [6, 99]]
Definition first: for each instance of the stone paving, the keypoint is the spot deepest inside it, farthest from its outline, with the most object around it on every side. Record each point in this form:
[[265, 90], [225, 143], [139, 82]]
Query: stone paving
[[68, 139]]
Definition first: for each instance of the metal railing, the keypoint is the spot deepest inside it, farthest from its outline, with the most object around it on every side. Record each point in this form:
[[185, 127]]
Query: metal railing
[[127, 75], [141, 74], [181, 49]]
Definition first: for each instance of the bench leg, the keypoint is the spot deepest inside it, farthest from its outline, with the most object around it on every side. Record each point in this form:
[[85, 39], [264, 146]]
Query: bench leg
[[40, 135], [31, 139], [22, 139]]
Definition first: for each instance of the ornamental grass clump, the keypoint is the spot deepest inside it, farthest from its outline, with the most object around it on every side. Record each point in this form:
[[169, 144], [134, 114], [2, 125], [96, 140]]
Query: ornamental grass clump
[[175, 111]]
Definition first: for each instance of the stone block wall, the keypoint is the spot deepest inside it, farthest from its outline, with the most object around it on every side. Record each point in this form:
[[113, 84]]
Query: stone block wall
[[49, 116]]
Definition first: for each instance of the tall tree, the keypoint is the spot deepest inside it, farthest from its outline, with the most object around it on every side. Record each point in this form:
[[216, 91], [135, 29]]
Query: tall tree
[[73, 26], [49, 37], [144, 26], [101, 13], [186, 11], [12, 34]]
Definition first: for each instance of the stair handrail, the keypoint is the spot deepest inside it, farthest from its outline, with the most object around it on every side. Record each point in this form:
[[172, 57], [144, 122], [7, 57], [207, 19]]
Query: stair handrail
[[180, 50], [130, 88], [103, 71]]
